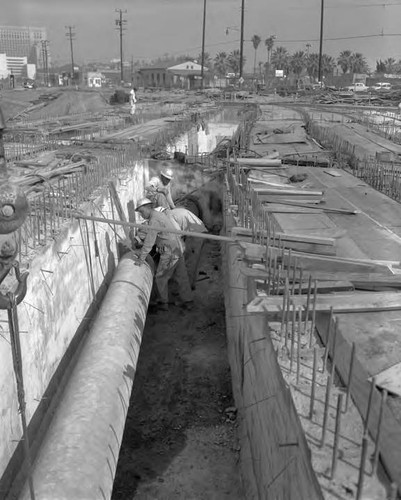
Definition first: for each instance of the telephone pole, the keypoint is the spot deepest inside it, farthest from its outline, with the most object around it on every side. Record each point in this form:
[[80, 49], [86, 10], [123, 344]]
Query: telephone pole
[[70, 35], [203, 41], [45, 56], [120, 22], [241, 49], [319, 74]]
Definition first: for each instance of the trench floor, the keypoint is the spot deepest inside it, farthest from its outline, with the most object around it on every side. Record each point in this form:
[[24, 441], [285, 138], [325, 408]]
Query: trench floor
[[180, 437]]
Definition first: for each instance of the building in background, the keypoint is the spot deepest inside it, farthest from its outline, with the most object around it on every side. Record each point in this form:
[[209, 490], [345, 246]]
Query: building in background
[[23, 41]]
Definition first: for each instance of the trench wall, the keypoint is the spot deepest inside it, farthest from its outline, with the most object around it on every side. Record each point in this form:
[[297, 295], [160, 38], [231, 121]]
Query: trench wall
[[275, 458], [64, 278]]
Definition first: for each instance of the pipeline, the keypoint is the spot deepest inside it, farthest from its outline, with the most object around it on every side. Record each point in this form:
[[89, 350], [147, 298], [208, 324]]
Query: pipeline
[[78, 457]]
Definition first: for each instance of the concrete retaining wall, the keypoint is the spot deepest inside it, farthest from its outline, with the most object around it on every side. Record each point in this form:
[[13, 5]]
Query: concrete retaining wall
[[275, 458], [63, 281]]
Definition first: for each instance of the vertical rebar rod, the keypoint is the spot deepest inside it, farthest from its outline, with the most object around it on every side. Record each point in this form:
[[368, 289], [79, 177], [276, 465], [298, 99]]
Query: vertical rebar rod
[[312, 328], [299, 343], [326, 410], [308, 302], [313, 387], [337, 431], [328, 339], [350, 373], [361, 475]]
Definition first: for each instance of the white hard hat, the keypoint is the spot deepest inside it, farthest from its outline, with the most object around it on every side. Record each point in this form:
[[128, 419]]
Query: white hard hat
[[167, 173], [142, 202], [160, 209]]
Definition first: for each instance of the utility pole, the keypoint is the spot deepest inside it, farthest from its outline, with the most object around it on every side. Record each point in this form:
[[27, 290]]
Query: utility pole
[[71, 34], [319, 75], [241, 49], [203, 41], [120, 26], [45, 57]]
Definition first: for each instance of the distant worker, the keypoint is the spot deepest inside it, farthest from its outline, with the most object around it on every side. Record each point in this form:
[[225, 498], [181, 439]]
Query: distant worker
[[170, 248], [132, 96], [159, 189]]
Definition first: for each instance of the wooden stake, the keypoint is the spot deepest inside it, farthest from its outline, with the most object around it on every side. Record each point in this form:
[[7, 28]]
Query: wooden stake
[[333, 356], [328, 340], [383, 401], [362, 466], [308, 302], [372, 388], [312, 329], [350, 372], [326, 410]]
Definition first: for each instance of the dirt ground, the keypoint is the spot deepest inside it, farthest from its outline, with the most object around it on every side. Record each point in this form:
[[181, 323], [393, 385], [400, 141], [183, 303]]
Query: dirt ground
[[179, 440]]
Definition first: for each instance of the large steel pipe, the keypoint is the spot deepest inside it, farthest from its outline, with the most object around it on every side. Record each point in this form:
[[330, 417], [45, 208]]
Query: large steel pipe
[[78, 457]]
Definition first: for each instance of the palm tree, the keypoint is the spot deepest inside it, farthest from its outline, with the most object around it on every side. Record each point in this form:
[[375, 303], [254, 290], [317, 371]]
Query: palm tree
[[255, 42], [207, 60], [281, 58], [328, 65], [298, 62], [380, 67], [220, 64], [344, 61], [233, 61], [312, 65], [358, 63], [269, 43], [390, 62]]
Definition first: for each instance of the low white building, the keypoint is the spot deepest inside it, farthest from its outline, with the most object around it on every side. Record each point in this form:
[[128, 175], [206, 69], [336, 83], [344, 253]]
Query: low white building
[[17, 66], [95, 79]]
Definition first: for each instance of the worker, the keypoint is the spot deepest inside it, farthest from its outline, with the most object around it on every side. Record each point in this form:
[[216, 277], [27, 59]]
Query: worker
[[170, 248], [132, 100], [159, 189], [188, 221], [185, 219]]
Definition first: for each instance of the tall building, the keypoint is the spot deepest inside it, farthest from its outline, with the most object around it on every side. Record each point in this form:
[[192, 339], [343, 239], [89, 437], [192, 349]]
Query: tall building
[[23, 41]]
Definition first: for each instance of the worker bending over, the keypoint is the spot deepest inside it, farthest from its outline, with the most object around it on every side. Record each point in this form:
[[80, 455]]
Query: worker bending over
[[188, 221], [159, 189], [170, 248]]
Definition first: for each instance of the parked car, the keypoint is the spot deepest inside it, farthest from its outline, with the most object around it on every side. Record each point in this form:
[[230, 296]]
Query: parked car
[[357, 87], [29, 84], [382, 86]]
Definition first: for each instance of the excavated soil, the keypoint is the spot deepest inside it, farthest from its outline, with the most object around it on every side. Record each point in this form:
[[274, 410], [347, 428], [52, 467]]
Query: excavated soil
[[180, 436]]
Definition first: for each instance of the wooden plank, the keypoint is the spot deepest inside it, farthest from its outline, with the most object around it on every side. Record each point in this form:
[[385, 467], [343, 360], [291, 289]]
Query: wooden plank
[[390, 379], [304, 238], [320, 207], [333, 173], [390, 438], [340, 302], [119, 208], [313, 263], [258, 162], [286, 191]]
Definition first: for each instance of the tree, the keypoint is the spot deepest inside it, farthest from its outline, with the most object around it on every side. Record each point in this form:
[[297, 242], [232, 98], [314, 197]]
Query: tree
[[344, 61], [269, 43], [281, 59], [380, 66], [389, 63], [233, 61], [207, 60], [220, 64], [312, 65], [255, 42], [328, 64], [298, 62], [358, 63]]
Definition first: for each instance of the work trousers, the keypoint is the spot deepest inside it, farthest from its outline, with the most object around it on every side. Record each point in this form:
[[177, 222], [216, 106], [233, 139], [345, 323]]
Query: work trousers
[[171, 265]]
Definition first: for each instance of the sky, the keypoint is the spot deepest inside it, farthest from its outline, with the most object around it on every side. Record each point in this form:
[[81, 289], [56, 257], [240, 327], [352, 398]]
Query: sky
[[157, 27]]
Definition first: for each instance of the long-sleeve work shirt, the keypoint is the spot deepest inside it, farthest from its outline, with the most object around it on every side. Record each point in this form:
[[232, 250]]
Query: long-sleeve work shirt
[[162, 239], [160, 193]]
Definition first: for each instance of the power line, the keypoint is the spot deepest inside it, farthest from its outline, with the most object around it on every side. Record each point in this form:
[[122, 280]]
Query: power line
[[341, 38]]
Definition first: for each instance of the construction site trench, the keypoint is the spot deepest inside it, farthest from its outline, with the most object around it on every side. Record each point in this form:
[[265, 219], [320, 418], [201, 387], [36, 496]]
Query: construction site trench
[[281, 381]]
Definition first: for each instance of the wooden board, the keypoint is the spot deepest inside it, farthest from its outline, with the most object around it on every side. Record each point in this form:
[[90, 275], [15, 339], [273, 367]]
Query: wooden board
[[390, 451], [313, 263], [340, 302], [390, 379], [119, 208]]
